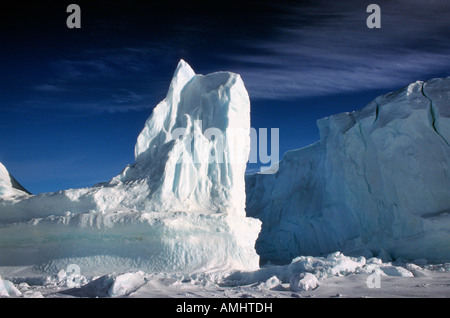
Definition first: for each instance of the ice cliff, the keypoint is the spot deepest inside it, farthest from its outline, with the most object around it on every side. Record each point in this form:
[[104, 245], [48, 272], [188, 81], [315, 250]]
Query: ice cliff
[[377, 182], [180, 207]]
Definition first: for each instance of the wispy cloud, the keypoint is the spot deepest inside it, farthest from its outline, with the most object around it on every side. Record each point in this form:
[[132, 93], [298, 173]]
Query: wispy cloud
[[99, 62], [50, 88], [318, 48], [101, 80], [326, 48], [106, 101]]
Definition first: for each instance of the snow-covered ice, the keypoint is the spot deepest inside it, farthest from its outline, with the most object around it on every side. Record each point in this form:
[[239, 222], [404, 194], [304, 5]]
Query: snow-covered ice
[[335, 275]]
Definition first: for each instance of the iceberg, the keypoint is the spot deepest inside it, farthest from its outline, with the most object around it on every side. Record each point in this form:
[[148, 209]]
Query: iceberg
[[377, 182], [9, 187], [180, 207]]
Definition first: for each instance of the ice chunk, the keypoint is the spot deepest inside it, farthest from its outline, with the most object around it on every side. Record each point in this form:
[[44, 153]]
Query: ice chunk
[[126, 283], [271, 283], [396, 271], [417, 271], [33, 294], [7, 289], [335, 264], [303, 282]]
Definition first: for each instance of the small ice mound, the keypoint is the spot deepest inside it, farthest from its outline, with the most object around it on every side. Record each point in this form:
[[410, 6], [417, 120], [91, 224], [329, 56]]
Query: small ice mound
[[390, 270], [273, 283], [126, 283], [416, 270], [303, 282], [413, 88], [335, 264], [110, 285]]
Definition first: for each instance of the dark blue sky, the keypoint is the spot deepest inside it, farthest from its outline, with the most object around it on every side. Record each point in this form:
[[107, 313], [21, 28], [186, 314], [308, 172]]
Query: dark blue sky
[[73, 101]]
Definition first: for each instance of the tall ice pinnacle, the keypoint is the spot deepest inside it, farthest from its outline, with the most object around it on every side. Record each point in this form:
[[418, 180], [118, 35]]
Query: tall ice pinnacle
[[180, 207], [194, 147]]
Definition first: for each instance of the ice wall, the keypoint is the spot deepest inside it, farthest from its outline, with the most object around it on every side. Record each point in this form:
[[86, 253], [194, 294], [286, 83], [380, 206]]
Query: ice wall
[[377, 181]]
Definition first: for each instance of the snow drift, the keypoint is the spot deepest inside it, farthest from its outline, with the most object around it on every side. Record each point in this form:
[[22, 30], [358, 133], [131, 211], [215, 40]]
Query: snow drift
[[305, 276], [179, 207], [377, 182]]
